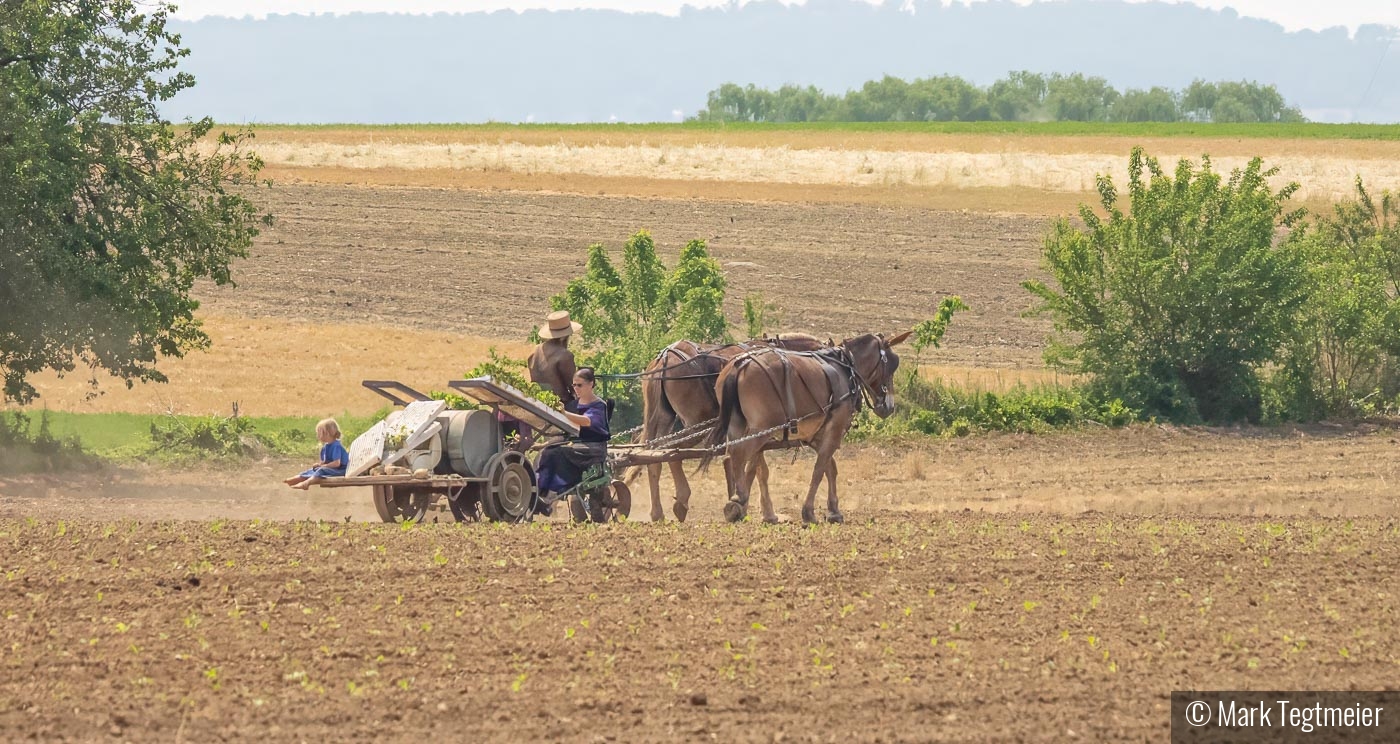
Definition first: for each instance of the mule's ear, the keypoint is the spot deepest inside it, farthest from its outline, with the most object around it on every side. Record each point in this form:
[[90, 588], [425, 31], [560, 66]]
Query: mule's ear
[[897, 340]]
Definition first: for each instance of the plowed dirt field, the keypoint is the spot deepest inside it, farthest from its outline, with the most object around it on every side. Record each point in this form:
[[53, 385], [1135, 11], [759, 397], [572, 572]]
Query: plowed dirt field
[[485, 263], [899, 628]]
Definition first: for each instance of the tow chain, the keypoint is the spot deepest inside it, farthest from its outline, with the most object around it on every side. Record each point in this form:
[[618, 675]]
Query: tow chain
[[627, 433], [717, 449], [685, 434], [770, 431]]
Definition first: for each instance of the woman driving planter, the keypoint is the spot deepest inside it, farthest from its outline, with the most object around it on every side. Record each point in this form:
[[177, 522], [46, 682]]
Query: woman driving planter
[[561, 465]]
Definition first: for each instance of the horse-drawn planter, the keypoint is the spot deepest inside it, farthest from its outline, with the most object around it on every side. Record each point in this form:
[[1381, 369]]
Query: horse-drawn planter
[[745, 400], [426, 458]]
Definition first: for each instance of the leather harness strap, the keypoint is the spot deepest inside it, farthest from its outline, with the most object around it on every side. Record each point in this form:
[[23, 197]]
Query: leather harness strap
[[784, 389], [684, 360]]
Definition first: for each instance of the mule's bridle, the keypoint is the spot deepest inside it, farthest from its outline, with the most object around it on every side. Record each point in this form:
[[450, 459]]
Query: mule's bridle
[[869, 392]]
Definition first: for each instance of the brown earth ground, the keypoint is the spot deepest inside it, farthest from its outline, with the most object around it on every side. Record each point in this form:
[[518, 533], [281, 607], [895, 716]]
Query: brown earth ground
[[1329, 471], [485, 263], [906, 628]]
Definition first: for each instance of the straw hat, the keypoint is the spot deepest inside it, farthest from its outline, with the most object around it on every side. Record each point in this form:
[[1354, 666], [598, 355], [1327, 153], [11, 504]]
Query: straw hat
[[558, 325]]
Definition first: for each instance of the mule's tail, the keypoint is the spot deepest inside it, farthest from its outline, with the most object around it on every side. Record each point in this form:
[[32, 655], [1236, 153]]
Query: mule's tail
[[658, 418], [728, 413]]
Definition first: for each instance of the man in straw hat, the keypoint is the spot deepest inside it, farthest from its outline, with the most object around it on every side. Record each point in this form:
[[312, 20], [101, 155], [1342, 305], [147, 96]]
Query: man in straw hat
[[551, 364]]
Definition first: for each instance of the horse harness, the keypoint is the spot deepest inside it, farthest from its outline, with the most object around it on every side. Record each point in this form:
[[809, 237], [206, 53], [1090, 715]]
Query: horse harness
[[832, 362], [706, 353]]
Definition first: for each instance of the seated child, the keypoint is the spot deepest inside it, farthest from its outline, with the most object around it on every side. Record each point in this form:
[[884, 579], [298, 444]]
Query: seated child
[[334, 457]]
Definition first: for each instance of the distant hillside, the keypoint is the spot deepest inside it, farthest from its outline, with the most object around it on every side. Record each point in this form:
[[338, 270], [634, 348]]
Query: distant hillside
[[591, 65]]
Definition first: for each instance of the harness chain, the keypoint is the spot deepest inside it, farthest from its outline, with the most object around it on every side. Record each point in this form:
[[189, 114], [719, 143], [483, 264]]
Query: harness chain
[[627, 433], [860, 390], [685, 434]]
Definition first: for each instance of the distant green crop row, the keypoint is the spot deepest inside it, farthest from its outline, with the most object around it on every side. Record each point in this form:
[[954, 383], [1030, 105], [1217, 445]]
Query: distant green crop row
[[1306, 130]]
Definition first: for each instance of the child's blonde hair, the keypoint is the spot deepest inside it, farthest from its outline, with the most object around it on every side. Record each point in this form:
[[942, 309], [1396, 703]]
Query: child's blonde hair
[[328, 427]]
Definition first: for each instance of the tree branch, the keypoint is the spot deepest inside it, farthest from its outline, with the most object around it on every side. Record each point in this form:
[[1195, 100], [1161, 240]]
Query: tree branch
[[30, 58]]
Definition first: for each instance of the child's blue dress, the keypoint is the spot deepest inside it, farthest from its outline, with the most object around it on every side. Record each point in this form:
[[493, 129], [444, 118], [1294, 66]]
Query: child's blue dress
[[329, 453]]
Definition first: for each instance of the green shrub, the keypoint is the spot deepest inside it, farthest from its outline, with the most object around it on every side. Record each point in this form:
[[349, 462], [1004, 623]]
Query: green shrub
[[502, 369], [1175, 304], [1344, 358], [202, 436], [759, 316], [24, 450], [937, 409]]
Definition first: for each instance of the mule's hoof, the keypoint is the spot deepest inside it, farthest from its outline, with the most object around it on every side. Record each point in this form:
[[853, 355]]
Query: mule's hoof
[[734, 511], [658, 516], [809, 516], [680, 510], [773, 519], [835, 518]]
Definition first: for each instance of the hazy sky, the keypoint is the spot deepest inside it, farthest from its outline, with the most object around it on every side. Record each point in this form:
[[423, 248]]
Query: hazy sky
[[1291, 14]]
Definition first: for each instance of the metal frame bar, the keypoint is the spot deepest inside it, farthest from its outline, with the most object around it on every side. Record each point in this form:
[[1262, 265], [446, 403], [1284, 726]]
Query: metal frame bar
[[435, 481], [388, 388]]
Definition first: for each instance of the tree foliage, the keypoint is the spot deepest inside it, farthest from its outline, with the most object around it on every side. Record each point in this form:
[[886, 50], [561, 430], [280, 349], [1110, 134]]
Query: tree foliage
[[759, 316], [929, 333], [1020, 96], [1344, 358], [108, 213], [1236, 102], [629, 316], [1174, 304]]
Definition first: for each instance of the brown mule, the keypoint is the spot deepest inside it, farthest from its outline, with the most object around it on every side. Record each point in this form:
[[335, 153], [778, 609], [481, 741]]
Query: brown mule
[[679, 387], [816, 394]]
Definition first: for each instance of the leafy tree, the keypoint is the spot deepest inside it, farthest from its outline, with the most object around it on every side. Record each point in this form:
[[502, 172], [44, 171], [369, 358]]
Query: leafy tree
[[881, 100], [1345, 356], [1158, 104], [1198, 100], [108, 213], [1251, 102], [1020, 96], [1174, 304], [1237, 102], [1078, 98], [696, 292], [948, 98], [629, 317], [792, 103]]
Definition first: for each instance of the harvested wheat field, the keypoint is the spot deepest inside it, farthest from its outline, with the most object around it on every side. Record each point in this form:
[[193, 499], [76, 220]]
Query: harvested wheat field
[[1035, 174]]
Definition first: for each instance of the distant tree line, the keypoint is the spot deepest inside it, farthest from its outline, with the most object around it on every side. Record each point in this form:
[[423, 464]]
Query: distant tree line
[[1020, 96]]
